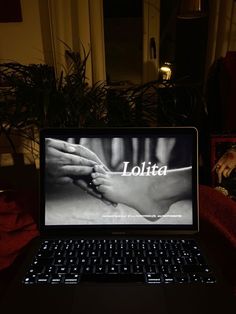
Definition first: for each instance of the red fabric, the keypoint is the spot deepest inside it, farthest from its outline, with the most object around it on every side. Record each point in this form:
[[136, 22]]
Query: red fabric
[[17, 228], [219, 211]]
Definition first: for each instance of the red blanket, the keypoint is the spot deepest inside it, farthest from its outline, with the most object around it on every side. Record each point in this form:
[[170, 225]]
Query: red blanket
[[219, 211], [17, 226]]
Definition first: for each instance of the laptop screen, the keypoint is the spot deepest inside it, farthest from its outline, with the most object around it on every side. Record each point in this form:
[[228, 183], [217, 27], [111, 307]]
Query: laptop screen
[[116, 178]]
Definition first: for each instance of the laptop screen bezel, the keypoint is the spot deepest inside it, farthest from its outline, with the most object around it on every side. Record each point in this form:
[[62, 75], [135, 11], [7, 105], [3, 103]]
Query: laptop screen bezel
[[147, 229]]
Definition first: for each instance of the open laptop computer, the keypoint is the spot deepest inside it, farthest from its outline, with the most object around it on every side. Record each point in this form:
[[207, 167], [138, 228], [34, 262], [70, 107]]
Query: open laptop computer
[[119, 214]]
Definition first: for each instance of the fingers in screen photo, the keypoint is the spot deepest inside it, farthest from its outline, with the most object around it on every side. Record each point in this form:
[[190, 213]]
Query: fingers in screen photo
[[75, 150], [62, 158]]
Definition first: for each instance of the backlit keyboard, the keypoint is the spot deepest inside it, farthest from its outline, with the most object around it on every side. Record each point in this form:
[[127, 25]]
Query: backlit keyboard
[[149, 261]]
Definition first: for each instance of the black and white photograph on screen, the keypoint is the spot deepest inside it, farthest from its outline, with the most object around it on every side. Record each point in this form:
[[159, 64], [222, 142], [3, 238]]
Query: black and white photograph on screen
[[119, 180]]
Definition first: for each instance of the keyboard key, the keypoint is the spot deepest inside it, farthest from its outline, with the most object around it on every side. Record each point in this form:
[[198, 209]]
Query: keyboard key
[[175, 268], [127, 253], [153, 278], [106, 261], [56, 279], [50, 270], [150, 269], [181, 277], [195, 278], [46, 254], [42, 262], [59, 262], [112, 270], [88, 269], [30, 280], [71, 254], [95, 261], [44, 278], [142, 261], [137, 269], [207, 278], [190, 261], [62, 270], [113, 277], [83, 261], [94, 253], [71, 279], [168, 278], [71, 261], [36, 269], [164, 269], [129, 261], [177, 261], [59, 254], [104, 253], [120, 261], [166, 261], [74, 270], [82, 254], [154, 260], [125, 269], [100, 269]]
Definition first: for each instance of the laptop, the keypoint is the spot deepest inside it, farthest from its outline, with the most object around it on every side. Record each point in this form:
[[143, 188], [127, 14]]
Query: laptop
[[119, 222]]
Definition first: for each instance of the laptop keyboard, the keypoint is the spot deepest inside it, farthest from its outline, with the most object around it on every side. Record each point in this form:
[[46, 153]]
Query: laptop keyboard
[[149, 261]]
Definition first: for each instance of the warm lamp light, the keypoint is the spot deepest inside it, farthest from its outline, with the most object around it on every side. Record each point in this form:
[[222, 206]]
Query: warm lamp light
[[166, 71]]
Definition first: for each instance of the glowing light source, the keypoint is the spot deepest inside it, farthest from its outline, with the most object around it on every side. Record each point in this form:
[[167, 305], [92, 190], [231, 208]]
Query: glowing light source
[[165, 71]]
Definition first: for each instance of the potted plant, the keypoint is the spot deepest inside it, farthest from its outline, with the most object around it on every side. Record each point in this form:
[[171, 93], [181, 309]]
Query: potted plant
[[32, 97]]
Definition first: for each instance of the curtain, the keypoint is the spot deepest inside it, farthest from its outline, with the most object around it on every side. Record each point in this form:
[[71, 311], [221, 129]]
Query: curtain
[[222, 30], [78, 24]]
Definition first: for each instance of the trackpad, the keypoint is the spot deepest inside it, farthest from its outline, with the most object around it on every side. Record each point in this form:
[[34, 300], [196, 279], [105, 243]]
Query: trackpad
[[118, 298]]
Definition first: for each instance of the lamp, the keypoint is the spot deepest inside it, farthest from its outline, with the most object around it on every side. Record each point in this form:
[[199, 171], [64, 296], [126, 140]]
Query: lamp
[[191, 9], [166, 71]]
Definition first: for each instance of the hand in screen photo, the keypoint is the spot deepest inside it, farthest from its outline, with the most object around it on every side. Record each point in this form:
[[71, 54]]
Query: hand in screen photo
[[70, 163]]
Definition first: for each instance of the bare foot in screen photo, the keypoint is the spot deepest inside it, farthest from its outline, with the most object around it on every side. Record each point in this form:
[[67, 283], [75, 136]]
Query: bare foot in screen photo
[[149, 195]]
